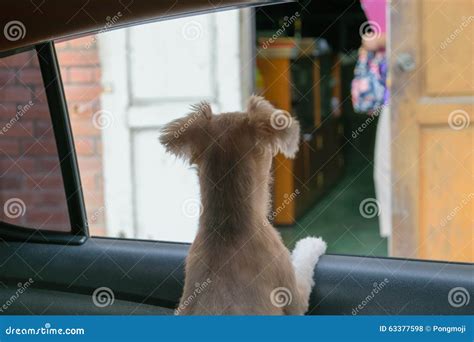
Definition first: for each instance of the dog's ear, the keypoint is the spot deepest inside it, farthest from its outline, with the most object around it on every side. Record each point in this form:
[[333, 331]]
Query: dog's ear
[[275, 127], [182, 137]]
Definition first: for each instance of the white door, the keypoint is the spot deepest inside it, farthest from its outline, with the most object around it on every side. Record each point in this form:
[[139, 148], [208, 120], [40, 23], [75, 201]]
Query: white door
[[152, 74]]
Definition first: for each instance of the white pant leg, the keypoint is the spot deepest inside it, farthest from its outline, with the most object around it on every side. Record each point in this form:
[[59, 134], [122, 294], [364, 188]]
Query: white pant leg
[[383, 171]]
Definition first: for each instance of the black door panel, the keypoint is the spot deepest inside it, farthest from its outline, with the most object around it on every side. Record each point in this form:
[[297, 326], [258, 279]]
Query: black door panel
[[389, 286], [151, 273], [50, 302]]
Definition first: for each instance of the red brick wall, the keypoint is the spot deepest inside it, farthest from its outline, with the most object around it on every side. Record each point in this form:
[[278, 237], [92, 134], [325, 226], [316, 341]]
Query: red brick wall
[[28, 159], [31, 188], [80, 70]]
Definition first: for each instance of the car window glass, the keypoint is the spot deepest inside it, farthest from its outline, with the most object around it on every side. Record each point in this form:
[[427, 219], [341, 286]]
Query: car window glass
[[31, 185]]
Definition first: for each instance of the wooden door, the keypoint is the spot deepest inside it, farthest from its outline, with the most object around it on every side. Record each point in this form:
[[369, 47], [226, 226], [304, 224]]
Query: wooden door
[[432, 115]]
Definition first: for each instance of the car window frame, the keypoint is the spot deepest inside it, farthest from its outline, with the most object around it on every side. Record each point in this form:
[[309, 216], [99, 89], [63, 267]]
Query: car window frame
[[66, 153]]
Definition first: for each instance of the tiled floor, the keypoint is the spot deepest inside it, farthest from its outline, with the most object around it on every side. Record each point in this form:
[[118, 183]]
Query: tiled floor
[[336, 217]]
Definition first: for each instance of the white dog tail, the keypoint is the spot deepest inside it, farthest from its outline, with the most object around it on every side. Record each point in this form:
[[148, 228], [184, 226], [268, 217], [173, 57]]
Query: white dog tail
[[304, 257]]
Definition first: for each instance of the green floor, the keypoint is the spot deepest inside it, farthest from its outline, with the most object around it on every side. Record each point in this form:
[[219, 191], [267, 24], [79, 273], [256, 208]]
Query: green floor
[[336, 217]]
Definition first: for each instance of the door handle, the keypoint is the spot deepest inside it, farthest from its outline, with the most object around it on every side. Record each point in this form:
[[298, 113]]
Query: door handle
[[405, 62]]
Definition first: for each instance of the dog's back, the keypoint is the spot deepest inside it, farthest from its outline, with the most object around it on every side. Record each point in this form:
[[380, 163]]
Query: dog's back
[[242, 277]]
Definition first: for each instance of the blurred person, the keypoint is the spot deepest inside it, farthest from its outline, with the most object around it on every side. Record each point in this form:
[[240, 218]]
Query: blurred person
[[370, 95]]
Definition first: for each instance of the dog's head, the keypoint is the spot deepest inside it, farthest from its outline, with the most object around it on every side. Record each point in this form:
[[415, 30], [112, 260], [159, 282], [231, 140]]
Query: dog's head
[[228, 139]]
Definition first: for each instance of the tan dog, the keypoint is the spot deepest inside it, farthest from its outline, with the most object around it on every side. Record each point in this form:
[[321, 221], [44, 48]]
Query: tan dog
[[238, 264]]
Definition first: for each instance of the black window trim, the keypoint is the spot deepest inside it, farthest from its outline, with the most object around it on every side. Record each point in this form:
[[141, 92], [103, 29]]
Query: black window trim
[[67, 159]]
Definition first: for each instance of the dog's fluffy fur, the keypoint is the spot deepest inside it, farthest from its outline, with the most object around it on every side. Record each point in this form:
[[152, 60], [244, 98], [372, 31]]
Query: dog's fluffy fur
[[237, 254]]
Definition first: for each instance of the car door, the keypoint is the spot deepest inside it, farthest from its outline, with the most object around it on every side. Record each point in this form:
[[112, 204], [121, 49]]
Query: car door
[[51, 265]]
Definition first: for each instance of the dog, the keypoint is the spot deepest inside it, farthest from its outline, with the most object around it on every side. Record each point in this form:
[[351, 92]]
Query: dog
[[238, 264]]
